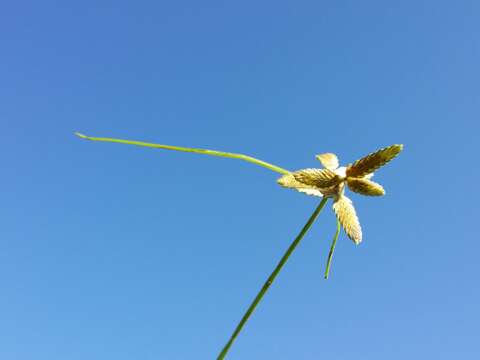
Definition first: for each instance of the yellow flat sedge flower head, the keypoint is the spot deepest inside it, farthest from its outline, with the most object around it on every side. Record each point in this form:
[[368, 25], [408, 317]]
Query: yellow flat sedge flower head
[[331, 180]]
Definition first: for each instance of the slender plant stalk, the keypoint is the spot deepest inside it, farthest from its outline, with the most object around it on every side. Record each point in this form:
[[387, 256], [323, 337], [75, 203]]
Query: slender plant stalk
[[332, 249], [192, 150], [253, 160], [271, 278]]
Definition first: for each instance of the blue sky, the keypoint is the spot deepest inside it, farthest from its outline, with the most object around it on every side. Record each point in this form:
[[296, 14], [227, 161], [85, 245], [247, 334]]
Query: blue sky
[[117, 252]]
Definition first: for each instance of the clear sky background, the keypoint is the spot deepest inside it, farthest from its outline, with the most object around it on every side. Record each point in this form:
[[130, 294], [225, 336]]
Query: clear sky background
[[116, 252]]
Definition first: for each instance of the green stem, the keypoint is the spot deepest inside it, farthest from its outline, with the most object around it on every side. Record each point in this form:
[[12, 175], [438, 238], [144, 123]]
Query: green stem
[[192, 150], [332, 249], [271, 278]]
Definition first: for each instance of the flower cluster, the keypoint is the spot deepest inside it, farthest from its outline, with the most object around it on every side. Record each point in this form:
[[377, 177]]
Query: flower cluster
[[331, 180]]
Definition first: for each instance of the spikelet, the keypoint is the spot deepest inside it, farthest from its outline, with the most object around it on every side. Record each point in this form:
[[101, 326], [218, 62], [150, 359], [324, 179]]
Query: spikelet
[[289, 181], [365, 187], [347, 216], [373, 161], [328, 160], [321, 178]]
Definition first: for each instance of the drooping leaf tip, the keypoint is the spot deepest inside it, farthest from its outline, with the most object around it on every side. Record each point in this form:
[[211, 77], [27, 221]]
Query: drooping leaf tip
[[80, 135]]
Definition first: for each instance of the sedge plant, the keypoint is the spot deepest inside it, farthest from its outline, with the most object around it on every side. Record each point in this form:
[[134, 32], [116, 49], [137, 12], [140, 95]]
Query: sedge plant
[[328, 182]]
